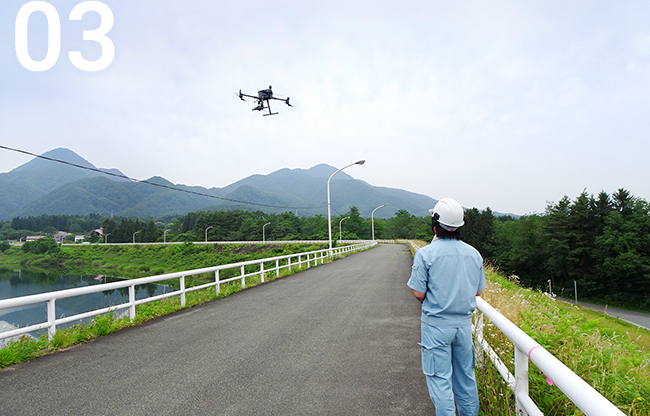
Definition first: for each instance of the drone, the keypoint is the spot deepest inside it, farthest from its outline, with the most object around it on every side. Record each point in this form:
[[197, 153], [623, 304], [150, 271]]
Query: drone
[[263, 97]]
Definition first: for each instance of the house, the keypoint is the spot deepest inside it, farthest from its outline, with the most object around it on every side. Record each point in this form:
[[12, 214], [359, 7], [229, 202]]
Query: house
[[60, 236]]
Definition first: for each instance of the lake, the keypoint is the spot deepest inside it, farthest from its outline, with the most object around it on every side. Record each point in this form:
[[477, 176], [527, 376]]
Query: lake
[[16, 283]]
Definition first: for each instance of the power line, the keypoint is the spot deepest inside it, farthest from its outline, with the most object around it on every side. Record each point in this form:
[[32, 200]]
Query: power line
[[150, 183]]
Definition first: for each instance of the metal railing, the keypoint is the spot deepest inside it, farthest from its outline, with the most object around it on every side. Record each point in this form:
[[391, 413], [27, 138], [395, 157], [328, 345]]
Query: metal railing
[[585, 397], [101, 243], [289, 261]]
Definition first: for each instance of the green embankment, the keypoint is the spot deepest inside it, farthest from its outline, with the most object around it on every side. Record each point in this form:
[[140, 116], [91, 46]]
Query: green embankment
[[133, 261]]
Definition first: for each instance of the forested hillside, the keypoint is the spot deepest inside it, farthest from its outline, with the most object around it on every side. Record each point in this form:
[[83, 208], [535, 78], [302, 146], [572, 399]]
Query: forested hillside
[[601, 242]]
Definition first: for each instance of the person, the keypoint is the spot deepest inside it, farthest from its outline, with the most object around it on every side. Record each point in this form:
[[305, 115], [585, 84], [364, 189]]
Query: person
[[446, 277]]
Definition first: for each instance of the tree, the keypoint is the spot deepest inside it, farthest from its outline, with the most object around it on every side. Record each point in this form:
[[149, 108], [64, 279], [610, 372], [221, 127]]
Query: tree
[[4, 246], [556, 235], [401, 225], [623, 201], [315, 228], [357, 225], [124, 231], [479, 231], [150, 232], [41, 246], [109, 227], [624, 248], [521, 249]]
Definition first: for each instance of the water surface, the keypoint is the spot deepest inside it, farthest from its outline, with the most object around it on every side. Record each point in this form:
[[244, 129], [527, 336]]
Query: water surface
[[16, 283]]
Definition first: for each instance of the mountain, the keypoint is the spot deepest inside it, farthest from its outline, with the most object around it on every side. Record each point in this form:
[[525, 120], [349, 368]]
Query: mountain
[[47, 187], [38, 177]]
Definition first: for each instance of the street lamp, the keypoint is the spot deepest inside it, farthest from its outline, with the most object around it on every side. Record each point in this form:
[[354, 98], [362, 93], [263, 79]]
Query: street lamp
[[206, 233], [134, 236], [106, 237], [165, 236], [263, 235], [372, 216], [340, 234], [329, 205]]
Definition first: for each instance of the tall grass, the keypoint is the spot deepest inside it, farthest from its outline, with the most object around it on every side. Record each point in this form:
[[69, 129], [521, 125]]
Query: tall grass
[[611, 355]]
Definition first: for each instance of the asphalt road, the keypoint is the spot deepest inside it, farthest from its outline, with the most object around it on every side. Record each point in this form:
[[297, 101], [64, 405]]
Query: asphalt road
[[641, 319], [337, 339]]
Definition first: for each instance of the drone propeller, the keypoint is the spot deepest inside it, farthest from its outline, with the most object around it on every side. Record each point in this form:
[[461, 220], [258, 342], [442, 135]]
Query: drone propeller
[[287, 101], [241, 97]]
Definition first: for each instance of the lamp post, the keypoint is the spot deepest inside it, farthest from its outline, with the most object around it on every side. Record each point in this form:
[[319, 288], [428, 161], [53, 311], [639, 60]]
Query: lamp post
[[165, 236], [134, 236], [206, 233], [106, 237], [372, 216], [329, 205], [263, 235], [340, 234]]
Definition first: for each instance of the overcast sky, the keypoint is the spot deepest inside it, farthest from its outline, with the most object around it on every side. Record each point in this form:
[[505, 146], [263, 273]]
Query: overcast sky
[[506, 104]]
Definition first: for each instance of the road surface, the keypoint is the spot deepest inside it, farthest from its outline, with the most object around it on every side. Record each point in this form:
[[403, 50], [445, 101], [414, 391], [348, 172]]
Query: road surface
[[337, 339], [641, 319]]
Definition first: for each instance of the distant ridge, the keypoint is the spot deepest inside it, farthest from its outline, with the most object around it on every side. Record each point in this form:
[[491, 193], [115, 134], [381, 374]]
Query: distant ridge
[[33, 180], [46, 187]]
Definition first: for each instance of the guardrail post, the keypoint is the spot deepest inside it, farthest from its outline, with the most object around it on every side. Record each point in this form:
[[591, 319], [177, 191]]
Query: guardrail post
[[308, 262], [51, 318], [521, 379], [277, 268], [289, 264], [262, 271], [132, 302], [216, 279], [182, 281], [243, 278]]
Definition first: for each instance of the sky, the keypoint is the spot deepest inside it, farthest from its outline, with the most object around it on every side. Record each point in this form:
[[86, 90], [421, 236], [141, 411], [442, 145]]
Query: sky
[[503, 104]]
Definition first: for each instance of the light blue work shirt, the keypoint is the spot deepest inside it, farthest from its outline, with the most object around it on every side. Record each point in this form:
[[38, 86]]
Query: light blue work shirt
[[450, 273]]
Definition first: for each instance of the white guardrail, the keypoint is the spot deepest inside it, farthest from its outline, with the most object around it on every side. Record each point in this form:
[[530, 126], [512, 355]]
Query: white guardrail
[[281, 262], [585, 397]]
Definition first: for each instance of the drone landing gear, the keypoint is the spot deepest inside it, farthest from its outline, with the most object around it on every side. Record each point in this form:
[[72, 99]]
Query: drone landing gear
[[269, 107]]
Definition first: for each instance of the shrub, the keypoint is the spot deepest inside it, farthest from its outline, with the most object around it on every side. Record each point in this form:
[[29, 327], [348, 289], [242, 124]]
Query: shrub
[[4, 246], [42, 246]]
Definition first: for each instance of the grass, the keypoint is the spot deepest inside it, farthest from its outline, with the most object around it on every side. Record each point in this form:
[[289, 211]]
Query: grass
[[145, 260], [611, 355], [27, 348]]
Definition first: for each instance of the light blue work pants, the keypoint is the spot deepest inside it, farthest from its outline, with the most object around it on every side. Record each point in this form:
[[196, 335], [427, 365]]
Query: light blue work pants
[[448, 363]]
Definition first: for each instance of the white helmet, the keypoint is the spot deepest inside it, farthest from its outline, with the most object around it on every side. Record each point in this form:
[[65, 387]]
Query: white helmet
[[448, 213]]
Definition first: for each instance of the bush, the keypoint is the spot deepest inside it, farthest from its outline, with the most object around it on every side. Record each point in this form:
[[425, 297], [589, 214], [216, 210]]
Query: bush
[[42, 246], [4, 246]]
